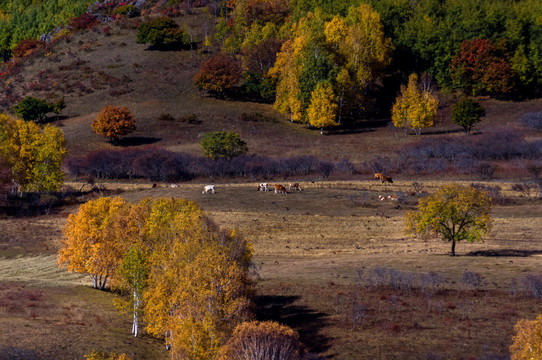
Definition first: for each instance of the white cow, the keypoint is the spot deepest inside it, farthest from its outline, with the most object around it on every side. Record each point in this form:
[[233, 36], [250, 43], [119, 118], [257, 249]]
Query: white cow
[[208, 188], [174, 185], [263, 187]]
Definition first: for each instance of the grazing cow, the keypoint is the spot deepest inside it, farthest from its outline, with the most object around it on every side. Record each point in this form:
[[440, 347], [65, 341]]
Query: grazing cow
[[174, 185], [280, 189], [263, 187], [393, 197], [154, 185], [208, 188], [381, 197], [383, 178], [295, 186]]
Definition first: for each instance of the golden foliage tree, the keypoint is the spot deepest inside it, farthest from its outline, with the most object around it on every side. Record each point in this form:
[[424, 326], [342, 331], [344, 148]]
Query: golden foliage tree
[[454, 213], [322, 110], [414, 108], [527, 343], [198, 287], [349, 52], [96, 239], [34, 155], [266, 340], [114, 122]]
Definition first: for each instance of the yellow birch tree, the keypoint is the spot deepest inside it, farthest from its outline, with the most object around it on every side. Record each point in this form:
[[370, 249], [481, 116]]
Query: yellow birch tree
[[322, 110], [414, 108]]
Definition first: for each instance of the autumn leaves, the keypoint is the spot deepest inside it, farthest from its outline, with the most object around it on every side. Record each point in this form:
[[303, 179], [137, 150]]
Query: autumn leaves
[[188, 278], [327, 67]]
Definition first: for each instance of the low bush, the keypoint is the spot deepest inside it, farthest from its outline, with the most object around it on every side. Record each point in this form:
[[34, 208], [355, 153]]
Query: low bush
[[157, 164], [532, 120]]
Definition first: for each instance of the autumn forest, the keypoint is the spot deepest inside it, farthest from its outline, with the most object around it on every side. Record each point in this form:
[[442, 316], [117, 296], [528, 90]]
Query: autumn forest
[[270, 179]]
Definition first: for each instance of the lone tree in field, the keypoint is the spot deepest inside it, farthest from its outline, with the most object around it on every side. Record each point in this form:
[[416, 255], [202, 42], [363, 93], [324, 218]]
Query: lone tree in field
[[34, 109], [223, 144], [454, 213], [528, 340], [114, 122], [467, 113]]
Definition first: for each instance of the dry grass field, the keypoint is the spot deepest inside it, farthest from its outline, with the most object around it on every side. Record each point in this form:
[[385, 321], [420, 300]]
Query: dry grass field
[[331, 261], [324, 259]]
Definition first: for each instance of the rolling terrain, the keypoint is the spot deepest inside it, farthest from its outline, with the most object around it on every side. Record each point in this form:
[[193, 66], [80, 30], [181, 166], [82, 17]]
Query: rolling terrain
[[331, 261]]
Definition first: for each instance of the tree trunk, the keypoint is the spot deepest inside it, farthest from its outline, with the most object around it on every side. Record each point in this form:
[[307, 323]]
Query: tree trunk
[[453, 247], [321, 131], [135, 323]]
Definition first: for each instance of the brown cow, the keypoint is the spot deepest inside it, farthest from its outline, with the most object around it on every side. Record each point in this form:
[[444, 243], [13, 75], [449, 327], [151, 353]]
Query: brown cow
[[295, 186], [280, 189], [383, 178]]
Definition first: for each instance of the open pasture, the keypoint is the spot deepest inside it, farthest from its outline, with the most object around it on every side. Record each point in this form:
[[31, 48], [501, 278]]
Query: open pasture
[[332, 261], [328, 261]]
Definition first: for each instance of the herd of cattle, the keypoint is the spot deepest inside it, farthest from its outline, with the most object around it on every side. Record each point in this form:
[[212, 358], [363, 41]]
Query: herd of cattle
[[281, 189]]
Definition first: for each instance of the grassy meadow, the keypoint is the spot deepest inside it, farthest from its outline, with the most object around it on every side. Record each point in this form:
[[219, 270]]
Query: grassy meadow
[[331, 261]]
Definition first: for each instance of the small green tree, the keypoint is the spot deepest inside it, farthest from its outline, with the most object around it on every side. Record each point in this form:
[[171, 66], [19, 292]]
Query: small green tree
[[223, 144], [34, 109], [467, 113], [162, 33], [454, 213]]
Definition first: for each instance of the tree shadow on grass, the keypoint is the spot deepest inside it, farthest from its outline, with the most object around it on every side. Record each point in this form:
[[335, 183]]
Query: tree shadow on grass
[[15, 353], [137, 141], [505, 252], [304, 320]]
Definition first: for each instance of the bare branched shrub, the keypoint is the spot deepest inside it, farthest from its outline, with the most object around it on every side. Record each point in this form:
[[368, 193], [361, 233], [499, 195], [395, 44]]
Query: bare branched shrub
[[532, 120], [430, 283], [527, 190], [494, 192], [486, 170], [471, 280], [533, 285], [418, 187]]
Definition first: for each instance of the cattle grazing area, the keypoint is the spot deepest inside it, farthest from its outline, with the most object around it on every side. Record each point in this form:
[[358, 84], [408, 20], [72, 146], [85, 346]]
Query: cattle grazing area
[[331, 261]]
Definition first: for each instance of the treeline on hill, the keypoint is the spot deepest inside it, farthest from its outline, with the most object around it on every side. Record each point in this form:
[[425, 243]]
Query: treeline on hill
[[25, 19], [358, 49]]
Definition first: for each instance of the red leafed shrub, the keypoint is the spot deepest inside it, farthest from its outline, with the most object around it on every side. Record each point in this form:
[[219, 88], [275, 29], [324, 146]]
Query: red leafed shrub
[[27, 47], [482, 67], [218, 74], [84, 22]]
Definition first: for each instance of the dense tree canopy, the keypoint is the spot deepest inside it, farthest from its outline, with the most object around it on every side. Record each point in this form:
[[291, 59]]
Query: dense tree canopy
[[415, 108], [467, 113], [33, 155], [114, 122], [222, 144], [22, 19], [34, 109]]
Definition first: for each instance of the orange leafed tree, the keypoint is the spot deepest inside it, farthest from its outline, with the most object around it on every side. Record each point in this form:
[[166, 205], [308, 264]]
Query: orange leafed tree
[[96, 239], [218, 74], [114, 122], [267, 340]]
